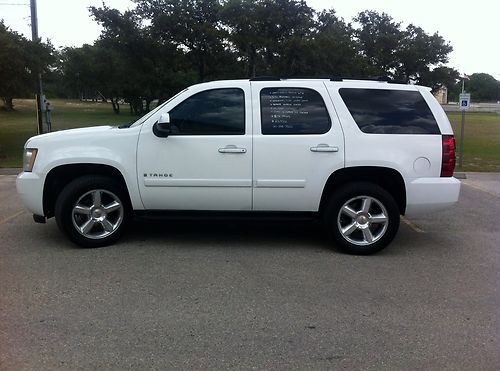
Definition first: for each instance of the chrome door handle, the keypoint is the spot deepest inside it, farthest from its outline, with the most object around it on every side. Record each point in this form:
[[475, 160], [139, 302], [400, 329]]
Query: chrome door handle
[[324, 148], [232, 149]]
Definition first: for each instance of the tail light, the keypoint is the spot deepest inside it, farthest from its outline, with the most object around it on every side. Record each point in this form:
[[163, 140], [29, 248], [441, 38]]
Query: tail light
[[448, 161]]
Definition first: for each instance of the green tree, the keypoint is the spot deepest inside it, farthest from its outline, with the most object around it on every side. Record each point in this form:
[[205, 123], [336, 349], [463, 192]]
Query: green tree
[[143, 68], [417, 52], [164, 45], [333, 49], [93, 70], [378, 38], [270, 36], [404, 54], [244, 21], [20, 62], [288, 30], [483, 88], [192, 26], [122, 59], [440, 77]]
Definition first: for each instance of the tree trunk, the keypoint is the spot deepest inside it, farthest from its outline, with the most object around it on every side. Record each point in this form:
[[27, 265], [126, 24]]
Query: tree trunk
[[136, 107], [252, 56], [201, 65], [116, 105], [161, 100], [8, 104]]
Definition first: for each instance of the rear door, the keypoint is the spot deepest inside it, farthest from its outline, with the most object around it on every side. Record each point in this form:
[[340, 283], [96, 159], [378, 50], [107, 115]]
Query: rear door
[[298, 143]]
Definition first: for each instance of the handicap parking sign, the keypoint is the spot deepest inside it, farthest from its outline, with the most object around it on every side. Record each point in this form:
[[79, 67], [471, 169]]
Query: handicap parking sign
[[464, 101]]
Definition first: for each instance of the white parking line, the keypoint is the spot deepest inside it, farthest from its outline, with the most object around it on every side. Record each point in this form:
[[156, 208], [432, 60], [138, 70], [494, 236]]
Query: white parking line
[[5, 220], [478, 188], [412, 225]]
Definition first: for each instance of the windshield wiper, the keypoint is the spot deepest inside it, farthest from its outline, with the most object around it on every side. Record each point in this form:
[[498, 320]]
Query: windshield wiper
[[125, 126]]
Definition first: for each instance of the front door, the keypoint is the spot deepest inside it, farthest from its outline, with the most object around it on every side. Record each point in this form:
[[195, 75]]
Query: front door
[[206, 163]]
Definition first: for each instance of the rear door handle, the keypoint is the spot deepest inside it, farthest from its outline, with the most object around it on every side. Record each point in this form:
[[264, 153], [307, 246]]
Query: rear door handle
[[324, 148], [232, 149]]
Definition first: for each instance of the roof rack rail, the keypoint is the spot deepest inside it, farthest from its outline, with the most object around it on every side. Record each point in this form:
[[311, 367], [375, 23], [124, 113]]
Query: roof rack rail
[[265, 78], [371, 78], [331, 78], [308, 77], [276, 78]]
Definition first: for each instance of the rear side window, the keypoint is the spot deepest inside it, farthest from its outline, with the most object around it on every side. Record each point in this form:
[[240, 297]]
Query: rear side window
[[293, 111], [210, 112], [380, 111]]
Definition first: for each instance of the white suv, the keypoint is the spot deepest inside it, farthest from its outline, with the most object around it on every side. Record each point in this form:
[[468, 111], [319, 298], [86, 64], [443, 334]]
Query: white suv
[[355, 153]]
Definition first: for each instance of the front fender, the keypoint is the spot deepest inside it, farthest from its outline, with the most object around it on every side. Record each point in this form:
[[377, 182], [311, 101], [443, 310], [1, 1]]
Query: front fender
[[103, 146]]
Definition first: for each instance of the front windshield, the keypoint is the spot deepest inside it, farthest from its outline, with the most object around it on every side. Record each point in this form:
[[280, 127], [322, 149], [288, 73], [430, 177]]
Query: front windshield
[[151, 113]]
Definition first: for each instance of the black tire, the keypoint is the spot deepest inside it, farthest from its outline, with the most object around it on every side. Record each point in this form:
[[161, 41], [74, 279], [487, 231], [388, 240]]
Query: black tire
[[352, 195], [85, 186]]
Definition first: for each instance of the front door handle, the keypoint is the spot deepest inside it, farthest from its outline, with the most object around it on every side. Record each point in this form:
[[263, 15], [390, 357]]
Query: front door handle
[[324, 148], [231, 148]]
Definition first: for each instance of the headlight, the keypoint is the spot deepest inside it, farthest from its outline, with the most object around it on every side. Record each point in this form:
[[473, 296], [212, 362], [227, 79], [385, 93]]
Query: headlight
[[29, 158]]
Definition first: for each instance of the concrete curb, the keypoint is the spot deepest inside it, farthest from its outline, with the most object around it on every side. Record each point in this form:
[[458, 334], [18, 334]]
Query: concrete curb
[[10, 170]]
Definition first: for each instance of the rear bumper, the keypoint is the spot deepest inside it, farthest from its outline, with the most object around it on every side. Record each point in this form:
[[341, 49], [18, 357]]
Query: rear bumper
[[30, 188], [424, 195]]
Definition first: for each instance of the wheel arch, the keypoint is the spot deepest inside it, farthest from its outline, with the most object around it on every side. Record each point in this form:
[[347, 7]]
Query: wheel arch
[[387, 178], [60, 176]]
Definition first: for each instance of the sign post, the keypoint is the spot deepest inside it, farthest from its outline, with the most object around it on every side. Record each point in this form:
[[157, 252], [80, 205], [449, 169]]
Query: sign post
[[464, 103]]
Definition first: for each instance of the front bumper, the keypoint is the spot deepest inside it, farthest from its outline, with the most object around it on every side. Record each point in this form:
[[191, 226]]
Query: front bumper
[[30, 188], [424, 195]]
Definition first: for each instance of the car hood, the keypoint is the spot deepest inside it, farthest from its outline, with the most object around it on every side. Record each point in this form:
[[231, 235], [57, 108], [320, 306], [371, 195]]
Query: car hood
[[70, 135]]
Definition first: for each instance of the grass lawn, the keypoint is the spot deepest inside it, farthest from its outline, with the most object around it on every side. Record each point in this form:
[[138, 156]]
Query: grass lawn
[[481, 140], [16, 127], [481, 148]]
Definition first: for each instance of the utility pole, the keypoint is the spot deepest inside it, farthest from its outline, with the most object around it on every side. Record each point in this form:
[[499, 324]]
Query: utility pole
[[34, 37]]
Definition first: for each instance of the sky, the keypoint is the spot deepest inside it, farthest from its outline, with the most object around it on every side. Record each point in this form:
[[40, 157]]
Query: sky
[[472, 27]]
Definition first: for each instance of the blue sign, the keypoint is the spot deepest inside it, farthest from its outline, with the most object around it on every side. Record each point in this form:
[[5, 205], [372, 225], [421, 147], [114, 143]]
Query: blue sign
[[464, 100]]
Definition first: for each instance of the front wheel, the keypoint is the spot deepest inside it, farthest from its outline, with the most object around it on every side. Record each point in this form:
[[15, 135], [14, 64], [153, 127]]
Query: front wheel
[[362, 218], [92, 211]]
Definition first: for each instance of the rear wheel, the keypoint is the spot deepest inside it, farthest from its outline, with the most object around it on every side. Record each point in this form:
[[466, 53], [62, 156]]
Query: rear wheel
[[92, 211], [362, 218]]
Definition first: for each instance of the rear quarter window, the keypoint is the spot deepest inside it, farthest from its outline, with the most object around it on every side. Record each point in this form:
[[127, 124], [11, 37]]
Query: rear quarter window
[[383, 111]]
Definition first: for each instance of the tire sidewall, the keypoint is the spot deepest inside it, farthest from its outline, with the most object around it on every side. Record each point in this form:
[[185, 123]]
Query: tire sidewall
[[68, 198], [353, 190]]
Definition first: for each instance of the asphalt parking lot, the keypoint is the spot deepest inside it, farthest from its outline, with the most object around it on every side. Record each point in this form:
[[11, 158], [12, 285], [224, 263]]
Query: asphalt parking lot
[[253, 295]]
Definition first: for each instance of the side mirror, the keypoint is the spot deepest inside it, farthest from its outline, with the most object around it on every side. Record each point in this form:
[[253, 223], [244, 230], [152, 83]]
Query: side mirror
[[162, 128]]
